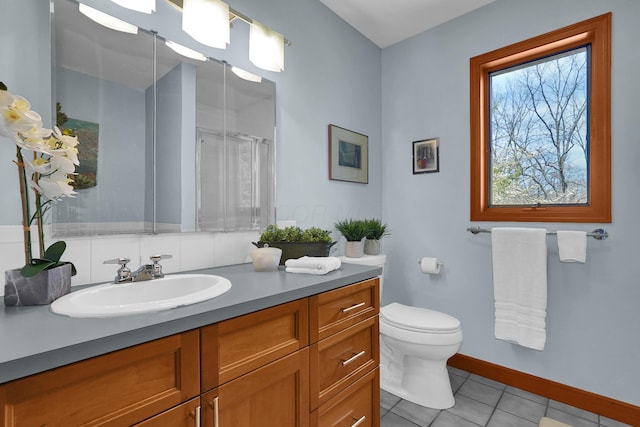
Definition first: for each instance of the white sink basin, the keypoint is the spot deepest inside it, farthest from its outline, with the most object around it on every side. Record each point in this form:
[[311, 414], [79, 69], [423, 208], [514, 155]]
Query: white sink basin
[[110, 300]]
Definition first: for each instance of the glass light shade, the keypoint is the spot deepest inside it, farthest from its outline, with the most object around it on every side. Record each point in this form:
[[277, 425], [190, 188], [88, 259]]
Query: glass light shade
[[107, 20], [266, 48], [144, 6], [244, 74], [207, 21], [185, 51]]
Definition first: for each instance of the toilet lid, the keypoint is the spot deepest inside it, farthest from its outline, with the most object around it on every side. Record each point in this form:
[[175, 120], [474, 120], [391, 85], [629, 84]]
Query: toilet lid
[[419, 319]]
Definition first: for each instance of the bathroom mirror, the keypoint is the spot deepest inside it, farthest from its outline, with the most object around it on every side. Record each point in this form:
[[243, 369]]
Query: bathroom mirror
[[168, 143]]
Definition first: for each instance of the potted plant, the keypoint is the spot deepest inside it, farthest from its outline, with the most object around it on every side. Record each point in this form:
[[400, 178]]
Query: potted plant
[[45, 160], [354, 231], [376, 230], [296, 242]]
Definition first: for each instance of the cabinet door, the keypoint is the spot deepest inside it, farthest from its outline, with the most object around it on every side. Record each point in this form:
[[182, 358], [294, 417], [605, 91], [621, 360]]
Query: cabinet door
[[236, 346], [185, 415], [275, 395], [117, 389], [333, 311], [357, 405]]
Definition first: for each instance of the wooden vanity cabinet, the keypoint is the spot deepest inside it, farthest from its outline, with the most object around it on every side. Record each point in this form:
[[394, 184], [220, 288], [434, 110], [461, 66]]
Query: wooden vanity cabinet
[[312, 361]]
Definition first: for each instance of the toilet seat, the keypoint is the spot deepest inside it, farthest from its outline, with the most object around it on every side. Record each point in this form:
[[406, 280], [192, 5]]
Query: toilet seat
[[417, 319]]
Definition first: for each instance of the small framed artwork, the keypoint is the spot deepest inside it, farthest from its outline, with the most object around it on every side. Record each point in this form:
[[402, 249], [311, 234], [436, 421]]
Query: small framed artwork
[[426, 156], [348, 155]]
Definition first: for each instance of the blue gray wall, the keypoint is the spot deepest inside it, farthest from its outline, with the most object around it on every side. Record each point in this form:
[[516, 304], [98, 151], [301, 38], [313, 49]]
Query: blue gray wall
[[593, 315]]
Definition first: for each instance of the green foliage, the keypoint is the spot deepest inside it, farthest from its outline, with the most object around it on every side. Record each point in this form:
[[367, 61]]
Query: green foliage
[[353, 230], [295, 234], [50, 259], [315, 234], [3, 86], [376, 229]]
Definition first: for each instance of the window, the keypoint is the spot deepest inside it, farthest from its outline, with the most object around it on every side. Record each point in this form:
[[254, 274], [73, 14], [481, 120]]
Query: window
[[540, 128]]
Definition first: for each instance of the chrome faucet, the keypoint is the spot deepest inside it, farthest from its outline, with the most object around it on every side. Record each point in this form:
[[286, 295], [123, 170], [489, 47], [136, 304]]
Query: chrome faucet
[[145, 272]]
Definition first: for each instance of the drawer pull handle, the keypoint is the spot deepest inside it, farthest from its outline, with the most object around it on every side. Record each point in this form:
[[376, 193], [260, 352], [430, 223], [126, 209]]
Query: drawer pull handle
[[353, 307], [359, 421], [214, 406], [197, 420], [352, 358]]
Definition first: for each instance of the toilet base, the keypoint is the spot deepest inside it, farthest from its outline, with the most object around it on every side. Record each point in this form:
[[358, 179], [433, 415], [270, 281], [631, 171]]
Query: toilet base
[[420, 381]]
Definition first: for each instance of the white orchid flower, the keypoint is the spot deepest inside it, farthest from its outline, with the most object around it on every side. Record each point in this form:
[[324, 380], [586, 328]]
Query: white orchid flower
[[38, 165], [63, 164], [66, 140], [55, 186], [16, 115], [34, 139]]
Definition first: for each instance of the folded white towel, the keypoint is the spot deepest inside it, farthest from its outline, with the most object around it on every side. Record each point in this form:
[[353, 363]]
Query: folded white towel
[[312, 265], [572, 246], [520, 285]]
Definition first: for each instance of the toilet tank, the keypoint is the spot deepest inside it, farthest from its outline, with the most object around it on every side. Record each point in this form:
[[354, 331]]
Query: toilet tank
[[372, 260]]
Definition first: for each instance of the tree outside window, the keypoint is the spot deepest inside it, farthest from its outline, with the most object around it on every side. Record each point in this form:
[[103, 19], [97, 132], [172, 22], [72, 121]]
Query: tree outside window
[[539, 132]]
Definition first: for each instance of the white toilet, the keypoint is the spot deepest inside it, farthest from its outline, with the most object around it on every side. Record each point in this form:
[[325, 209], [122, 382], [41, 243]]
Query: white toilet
[[415, 344]]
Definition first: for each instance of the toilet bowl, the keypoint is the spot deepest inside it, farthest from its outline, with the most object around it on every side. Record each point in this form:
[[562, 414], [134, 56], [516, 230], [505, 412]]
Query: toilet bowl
[[415, 344]]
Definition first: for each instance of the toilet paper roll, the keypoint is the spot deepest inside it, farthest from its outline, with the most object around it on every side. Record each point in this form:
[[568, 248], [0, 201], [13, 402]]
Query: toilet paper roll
[[430, 265]]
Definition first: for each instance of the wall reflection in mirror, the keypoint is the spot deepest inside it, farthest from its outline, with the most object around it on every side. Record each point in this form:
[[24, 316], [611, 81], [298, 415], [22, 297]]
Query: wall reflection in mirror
[[168, 143]]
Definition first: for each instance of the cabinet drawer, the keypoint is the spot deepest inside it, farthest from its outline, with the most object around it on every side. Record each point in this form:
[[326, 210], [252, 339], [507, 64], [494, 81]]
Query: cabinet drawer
[[333, 311], [117, 389], [357, 405], [342, 358], [236, 346]]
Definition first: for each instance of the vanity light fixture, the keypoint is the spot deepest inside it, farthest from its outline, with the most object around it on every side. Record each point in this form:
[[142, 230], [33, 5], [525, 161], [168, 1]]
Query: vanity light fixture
[[107, 20], [245, 75], [144, 6], [266, 48], [185, 51], [207, 21]]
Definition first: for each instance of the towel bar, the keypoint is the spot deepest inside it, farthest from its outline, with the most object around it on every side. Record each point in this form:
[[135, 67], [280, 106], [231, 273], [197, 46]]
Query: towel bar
[[598, 233]]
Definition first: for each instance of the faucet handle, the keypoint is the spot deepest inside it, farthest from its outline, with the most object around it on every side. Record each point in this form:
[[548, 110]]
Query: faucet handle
[[157, 258], [123, 274], [157, 268]]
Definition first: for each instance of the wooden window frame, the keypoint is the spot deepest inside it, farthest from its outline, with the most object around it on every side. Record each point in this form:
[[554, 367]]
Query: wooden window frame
[[597, 33]]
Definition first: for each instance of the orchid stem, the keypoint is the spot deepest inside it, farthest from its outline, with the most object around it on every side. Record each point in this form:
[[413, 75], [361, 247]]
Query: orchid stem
[[24, 199]]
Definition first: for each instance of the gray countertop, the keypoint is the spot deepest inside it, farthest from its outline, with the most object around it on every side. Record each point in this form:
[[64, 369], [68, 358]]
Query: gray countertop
[[34, 339]]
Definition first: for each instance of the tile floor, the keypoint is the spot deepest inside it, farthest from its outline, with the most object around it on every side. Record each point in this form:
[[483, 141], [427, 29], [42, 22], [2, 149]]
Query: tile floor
[[484, 402]]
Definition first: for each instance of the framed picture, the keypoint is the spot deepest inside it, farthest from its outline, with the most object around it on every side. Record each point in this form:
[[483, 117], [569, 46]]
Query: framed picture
[[348, 155], [426, 156]]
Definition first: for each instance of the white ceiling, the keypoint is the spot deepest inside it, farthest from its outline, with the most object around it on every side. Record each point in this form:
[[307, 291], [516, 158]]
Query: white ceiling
[[386, 22]]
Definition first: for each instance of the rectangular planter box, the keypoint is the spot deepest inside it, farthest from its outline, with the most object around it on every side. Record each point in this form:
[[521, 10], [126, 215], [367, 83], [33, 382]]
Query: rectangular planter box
[[298, 249]]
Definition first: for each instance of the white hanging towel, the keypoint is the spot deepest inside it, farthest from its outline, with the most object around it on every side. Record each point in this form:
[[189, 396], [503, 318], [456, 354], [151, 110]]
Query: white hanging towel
[[572, 246], [520, 285]]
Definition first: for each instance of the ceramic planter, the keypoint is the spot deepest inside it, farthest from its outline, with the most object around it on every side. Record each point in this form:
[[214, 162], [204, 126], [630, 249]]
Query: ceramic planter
[[372, 246], [353, 249], [41, 289]]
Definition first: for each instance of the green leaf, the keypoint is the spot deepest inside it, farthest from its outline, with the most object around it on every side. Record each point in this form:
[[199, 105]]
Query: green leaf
[[3, 86], [50, 259], [36, 266], [55, 251]]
